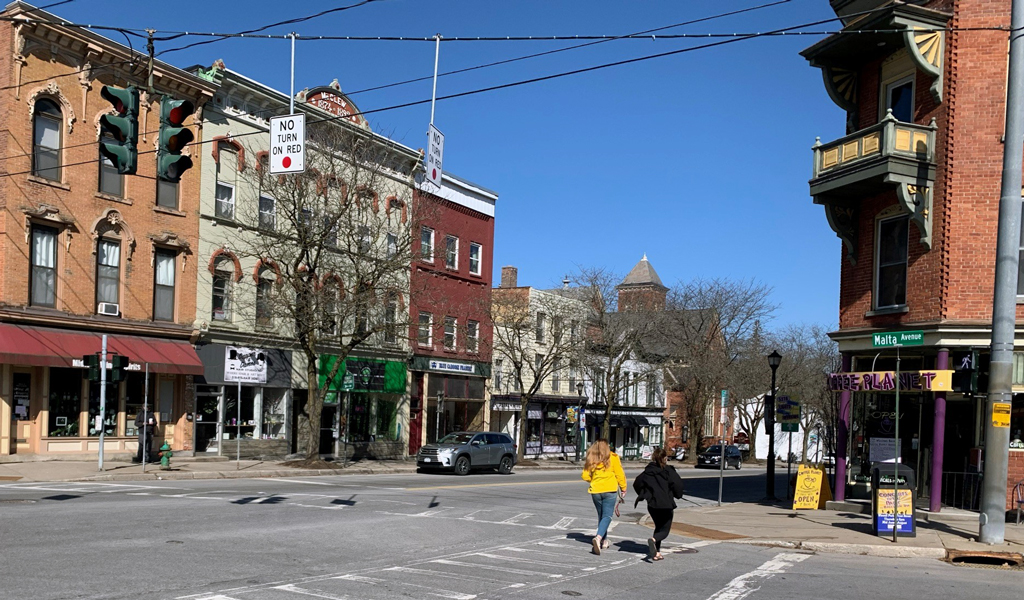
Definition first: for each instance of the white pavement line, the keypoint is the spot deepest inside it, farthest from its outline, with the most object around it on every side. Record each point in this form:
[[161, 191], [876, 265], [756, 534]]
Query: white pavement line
[[535, 551], [395, 502], [469, 517], [513, 520], [201, 597], [676, 548], [429, 513], [555, 545], [139, 494], [743, 585], [432, 573], [459, 563], [297, 590], [531, 561], [315, 506], [430, 591], [562, 523], [289, 480]]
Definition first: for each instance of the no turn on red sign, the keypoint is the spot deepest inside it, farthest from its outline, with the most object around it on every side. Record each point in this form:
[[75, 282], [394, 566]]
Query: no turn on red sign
[[288, 144], [435, 152]]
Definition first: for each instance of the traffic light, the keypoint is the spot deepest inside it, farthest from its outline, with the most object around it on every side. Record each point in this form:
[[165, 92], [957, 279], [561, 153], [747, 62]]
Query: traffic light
[[123, 127], [92, 362], [118, 364], [174, 136]]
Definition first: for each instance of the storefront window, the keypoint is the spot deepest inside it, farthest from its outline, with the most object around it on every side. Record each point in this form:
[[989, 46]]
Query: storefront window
[[134, 398], [359, 418], [65, 402], [110, 409], [273, 413], [387, 420], [241, 423]]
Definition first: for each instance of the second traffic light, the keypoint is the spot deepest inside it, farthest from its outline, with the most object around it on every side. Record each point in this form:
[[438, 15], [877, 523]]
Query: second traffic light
[[123, 126], [174, 137]]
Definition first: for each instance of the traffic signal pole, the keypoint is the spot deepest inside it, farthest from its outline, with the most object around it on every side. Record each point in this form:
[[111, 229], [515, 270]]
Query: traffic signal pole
[[102, 418], [1004, 301]]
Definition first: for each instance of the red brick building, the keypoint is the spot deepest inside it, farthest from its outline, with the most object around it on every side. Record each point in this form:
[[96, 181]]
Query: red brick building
[[450, 301], [912, 191], [85, 251]]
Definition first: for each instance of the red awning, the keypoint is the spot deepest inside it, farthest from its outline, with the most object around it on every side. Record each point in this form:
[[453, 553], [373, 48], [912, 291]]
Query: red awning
[[41, 347]]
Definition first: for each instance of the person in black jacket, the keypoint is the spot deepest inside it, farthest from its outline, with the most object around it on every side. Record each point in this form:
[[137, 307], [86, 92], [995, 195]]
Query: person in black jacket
[[659, 485]]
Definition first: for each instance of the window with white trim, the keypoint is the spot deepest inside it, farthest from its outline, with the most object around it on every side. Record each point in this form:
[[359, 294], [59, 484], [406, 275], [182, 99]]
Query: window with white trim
[[899, 97], [46, 139], [472, 336], [541, 318], [451, 252], [392, 245], [425, 330], [476, 252], [163, 285], [268, 213], [427, 244], [451, 326], [264, 298], [391, 320], [498, 373], [108, 271], [223, 284], [43, 279], [227, 171]]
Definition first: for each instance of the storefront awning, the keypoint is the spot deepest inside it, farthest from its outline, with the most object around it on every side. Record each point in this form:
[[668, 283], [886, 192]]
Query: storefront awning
[[42, 347]]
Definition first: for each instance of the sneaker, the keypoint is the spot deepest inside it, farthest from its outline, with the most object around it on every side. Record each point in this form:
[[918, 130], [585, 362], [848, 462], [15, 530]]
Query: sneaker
[[596, 543], [652, 548], [605, 544]]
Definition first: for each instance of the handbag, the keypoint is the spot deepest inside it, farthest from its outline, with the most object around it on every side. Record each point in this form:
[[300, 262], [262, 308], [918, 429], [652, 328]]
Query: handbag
[[617, 503]]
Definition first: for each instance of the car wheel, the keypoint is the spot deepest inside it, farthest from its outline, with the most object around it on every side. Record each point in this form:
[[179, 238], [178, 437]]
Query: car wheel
[[462, 465], [505, 467], [738, 465]]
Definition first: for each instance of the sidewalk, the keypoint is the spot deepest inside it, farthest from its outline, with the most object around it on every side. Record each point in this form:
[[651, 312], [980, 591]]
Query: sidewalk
[[841, 532]]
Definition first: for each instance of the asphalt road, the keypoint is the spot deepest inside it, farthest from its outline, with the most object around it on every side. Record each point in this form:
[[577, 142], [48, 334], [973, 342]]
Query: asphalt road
[[486, 536]]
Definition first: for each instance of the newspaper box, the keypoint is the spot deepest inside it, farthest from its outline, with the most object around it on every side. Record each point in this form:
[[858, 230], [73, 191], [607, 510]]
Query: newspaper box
[[893, 500]]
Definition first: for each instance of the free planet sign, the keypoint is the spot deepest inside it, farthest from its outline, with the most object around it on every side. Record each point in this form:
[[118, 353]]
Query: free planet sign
[[288, 144]]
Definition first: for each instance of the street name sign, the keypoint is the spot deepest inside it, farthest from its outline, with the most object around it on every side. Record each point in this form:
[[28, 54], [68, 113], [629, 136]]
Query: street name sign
[[435, 152], [893, 339], [288, 144]]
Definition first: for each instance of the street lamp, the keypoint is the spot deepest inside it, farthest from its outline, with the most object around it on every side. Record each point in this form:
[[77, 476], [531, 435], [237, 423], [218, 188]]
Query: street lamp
[[769, 422], [580, 419], [440, 412]]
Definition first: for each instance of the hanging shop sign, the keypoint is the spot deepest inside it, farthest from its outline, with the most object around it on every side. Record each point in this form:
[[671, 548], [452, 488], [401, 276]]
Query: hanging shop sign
[[364, 374], [882, 381]]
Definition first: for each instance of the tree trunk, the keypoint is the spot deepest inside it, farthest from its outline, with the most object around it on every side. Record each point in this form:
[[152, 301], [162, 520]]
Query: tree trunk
[[523, 414], [314, 409]]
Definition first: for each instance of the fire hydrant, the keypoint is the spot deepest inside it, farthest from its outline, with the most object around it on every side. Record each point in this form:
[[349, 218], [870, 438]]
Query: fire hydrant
[[165, 456]]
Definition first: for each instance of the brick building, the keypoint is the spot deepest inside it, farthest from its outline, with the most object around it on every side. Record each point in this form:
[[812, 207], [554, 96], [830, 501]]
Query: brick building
[[912, 191], [85, 251], [450, 301]]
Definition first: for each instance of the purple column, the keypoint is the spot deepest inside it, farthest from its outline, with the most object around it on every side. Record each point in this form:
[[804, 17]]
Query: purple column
[[938, 435], [842, 436]]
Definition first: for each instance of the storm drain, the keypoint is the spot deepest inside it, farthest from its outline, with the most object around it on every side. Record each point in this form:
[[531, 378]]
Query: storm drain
[[986, 559]]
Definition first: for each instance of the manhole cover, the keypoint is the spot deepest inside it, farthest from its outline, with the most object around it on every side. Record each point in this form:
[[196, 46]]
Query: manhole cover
[[986, 559]]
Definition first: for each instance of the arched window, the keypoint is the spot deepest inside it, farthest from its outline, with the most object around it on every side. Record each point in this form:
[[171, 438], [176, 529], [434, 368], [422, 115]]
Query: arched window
[[264, 298], [223, 284], [46, 140]]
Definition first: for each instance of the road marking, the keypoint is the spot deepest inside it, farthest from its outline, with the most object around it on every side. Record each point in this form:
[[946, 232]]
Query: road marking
[[297, 590], [562, 523], [743, 585], [459, 563], [429, 573], [314, 506], [513, 520], [442, 593]]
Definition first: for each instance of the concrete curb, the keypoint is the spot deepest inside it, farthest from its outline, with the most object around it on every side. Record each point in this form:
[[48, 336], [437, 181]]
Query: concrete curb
[[858, 549]]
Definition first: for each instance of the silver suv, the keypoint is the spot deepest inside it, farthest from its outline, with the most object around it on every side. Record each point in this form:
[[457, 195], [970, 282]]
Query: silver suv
[[465, 450]]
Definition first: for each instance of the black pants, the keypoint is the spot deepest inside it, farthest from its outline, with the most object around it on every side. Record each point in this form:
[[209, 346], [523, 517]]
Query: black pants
[[147, 448], [662, 518]]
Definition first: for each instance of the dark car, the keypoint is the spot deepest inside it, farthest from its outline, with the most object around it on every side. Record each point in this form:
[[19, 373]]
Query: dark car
[[465, 450], [712, 457]]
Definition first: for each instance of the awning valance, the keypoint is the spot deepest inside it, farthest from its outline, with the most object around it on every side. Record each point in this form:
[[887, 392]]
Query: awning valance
[[43, 347]]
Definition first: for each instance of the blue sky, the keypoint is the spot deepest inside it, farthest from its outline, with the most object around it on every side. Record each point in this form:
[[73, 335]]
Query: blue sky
[[699, 160]]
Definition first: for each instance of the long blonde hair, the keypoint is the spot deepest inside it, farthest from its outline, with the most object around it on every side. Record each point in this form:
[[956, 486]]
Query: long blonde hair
[[598, 454]]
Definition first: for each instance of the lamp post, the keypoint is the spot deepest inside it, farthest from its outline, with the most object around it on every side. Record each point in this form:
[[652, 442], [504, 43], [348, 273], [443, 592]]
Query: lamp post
[[440, 416], [769, 422], [580, 419]]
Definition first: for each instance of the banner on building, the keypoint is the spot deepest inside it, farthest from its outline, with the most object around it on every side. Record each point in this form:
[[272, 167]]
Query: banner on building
[[245, 365], [884, 381]]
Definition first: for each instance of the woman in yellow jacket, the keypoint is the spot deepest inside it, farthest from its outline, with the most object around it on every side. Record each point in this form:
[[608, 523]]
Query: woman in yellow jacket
[[607, 481]]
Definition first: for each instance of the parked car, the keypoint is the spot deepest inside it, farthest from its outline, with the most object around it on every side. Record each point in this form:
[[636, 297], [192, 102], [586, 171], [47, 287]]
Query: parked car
[[463, 451], [713, 456]]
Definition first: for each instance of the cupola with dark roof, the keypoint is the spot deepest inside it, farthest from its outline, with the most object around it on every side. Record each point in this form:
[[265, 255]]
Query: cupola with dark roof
[[642, 289]]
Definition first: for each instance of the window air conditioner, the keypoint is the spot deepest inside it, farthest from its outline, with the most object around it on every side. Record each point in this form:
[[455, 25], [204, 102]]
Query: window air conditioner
[[109, 308]]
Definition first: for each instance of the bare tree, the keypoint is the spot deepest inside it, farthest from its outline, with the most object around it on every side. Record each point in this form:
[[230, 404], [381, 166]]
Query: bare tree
[[808, 356], [749, 381], [332, 249], [619, 344], [712, 320], [533, 334]]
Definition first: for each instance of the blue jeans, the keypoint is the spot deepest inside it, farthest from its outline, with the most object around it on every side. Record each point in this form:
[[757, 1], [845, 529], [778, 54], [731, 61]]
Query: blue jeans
[[605, 505]]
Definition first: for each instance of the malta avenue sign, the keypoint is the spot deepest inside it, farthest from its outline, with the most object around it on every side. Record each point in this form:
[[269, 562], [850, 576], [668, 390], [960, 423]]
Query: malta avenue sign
[[897, 338]]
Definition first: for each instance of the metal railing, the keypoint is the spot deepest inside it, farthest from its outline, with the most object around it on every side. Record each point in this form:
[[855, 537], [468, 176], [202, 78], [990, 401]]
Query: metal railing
[[961, 490], [888, 138]]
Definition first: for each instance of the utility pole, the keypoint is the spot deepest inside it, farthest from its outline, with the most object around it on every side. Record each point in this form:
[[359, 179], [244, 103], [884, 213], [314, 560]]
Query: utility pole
[[101, 420], [1004, 302]]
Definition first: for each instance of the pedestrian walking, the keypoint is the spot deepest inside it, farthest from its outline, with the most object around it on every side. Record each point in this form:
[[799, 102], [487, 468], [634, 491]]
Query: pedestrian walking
[[659, 485], [603, 470], [146, 425]]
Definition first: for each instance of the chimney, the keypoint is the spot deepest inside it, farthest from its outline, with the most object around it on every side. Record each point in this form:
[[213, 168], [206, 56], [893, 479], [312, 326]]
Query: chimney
[[509, 277]]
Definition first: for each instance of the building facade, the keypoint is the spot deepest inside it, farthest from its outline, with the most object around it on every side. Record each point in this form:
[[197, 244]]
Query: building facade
[[86, 251], [912, 191], [251, 266], [449, 309]]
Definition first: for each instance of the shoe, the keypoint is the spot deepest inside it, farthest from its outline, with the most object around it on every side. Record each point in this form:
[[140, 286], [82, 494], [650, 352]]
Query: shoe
[[605, 544], [652, 548], [596, 543]]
